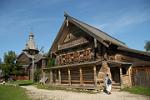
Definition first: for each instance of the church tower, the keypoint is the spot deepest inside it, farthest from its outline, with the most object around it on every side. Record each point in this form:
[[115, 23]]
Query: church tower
[[31, 46]]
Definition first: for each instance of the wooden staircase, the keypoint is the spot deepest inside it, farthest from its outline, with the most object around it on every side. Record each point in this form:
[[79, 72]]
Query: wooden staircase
[[115, 86]]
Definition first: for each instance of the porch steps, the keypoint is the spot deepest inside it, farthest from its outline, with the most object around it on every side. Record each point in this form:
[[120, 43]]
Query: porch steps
[[116, 86]]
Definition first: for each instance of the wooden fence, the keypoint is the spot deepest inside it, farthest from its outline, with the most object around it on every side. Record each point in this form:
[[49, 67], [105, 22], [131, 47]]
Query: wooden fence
[[141, 76]]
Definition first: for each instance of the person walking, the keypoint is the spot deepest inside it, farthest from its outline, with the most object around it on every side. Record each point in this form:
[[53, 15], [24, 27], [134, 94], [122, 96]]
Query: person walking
[[108, 84]]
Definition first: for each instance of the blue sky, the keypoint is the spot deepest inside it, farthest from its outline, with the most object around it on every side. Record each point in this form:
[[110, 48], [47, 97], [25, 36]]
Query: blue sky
[[126, 20]]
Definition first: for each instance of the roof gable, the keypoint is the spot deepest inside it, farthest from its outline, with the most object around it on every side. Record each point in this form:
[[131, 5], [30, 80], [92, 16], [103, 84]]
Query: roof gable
[[96, 33], [99, 35], [23, 59]]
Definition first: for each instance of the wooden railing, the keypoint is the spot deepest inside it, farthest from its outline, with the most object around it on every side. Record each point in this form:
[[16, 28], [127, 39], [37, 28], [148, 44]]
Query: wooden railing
[[75, 57]]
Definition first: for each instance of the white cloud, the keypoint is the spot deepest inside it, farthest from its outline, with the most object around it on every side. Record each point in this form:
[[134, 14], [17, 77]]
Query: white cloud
[[100, 26], [123, 21]]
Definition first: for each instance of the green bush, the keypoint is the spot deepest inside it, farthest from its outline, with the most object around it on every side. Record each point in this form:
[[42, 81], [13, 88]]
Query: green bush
[[23, 82]]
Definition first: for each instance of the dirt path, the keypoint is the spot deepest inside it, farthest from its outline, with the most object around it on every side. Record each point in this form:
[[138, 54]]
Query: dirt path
[[41, 94]]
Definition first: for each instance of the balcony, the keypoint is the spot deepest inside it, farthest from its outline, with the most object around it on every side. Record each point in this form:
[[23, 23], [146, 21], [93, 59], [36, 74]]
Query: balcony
[[75, 57]]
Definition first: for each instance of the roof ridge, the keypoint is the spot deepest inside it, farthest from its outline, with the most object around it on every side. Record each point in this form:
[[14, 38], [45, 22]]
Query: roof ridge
[[68, 16], [135, 50]]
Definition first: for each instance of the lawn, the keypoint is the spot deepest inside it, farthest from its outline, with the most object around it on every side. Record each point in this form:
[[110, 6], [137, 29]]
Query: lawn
[[138, 90], [12, 93], [22, 82], [51, 87]]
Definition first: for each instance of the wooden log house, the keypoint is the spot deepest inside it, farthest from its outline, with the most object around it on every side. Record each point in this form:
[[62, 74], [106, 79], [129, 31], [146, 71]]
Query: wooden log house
[[84, 55]]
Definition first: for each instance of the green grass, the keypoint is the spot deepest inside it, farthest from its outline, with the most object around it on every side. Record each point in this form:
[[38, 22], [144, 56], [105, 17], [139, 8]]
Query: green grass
[[138, 90], [12, 93], [51, 87], [22, 82]]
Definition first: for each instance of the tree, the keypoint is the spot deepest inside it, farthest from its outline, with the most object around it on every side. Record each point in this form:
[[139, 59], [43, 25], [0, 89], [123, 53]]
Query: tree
[[8, 65], [51, 62], [147, 46], [0, 63], [0, 68]]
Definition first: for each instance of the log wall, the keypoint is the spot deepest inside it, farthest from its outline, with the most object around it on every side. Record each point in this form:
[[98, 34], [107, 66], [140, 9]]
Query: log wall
[[75, 76], [88, 75], [141, 76], [64, 76]]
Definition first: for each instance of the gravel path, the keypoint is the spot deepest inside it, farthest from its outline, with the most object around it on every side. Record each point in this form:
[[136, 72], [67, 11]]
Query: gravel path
[[41, 94]]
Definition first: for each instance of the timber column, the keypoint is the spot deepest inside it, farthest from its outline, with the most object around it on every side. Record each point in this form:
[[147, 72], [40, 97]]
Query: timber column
[[43, 76], [59, 73], [121, 82], [51, 76], [95, 77], [43, 72], [129, 72], [69, 77], [81, 76], [32, 69]]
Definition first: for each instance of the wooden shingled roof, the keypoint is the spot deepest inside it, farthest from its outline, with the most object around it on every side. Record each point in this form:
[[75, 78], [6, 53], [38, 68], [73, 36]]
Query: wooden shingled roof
[[95, 32], [99, 35], [134, 51], [36, 57]]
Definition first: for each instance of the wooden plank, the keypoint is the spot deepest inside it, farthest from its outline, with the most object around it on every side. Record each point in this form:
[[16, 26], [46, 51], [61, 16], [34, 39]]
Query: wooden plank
[[77, 81], [88, 75], [64, 74], [66, 81], [141, 76], [88, 81], [81, 76]]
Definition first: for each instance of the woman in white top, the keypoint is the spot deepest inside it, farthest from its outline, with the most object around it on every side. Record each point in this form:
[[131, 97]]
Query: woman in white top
[[108, 84]]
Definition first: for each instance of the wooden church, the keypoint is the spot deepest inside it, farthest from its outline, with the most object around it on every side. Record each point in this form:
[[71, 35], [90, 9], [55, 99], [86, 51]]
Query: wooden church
[[84, 55], [30, 60]]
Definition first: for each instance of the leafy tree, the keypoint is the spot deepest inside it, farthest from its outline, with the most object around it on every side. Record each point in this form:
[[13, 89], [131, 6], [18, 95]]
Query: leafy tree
[[147, 46], [8, 65], [0, 68], [37, 75], [0, 63], [51, 62]]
